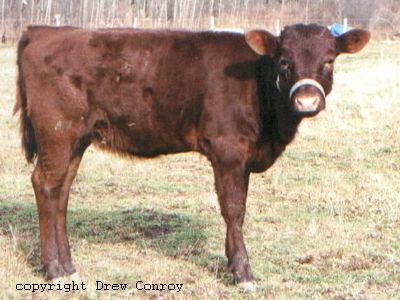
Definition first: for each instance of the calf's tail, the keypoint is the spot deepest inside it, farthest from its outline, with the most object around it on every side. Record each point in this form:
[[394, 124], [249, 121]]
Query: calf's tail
[[29, 143]]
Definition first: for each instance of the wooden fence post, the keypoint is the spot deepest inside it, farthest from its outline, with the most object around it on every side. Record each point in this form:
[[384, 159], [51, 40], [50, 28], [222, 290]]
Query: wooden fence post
[[278, 27], [57, 17], [212, 22]]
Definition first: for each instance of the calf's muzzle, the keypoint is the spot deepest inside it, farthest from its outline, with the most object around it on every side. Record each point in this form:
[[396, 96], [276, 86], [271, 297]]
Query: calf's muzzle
[[308, 97]]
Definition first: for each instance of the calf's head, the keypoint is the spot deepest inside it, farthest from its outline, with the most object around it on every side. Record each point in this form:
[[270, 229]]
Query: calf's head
[[304, 57]]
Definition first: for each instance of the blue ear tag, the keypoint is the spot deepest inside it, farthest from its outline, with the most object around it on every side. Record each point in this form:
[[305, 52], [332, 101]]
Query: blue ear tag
[[338, 29]]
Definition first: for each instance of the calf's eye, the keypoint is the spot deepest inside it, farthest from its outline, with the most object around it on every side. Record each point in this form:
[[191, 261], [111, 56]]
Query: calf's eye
[[284, 64], [329, 64]]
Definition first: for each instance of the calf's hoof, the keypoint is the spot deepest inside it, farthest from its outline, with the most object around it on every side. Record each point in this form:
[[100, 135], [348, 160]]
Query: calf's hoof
[[247, 287], [67, 279], [74, 277], [58, 280]]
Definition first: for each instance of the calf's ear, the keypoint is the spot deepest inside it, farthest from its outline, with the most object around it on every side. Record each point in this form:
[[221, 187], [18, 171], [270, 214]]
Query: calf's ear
[[262, 42], [352, 41]]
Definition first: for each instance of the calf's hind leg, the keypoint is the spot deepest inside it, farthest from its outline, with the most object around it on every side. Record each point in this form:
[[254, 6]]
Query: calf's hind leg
[[52, 177]]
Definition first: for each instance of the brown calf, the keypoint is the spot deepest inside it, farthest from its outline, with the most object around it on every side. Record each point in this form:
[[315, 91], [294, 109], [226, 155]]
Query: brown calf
[[237, 99]]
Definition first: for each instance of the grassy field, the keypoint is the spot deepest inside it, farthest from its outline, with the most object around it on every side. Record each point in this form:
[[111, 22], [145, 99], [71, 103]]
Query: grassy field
[[322, 223]]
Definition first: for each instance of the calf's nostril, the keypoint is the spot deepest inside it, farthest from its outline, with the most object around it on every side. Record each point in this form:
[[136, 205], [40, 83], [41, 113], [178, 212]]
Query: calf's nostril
[[307, 103]]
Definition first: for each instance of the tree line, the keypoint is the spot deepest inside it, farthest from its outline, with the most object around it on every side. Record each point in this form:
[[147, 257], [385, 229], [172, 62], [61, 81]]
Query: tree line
[[196, 14]]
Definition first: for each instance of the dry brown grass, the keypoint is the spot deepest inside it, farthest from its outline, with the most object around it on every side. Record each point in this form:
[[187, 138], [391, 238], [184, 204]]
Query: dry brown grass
[[323, 223]]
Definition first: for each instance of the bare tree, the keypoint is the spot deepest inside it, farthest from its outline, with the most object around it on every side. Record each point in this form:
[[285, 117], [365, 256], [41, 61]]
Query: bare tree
[[196, 14]]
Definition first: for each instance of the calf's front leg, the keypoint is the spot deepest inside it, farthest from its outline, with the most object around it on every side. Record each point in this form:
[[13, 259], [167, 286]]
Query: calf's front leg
[[231, 183]]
